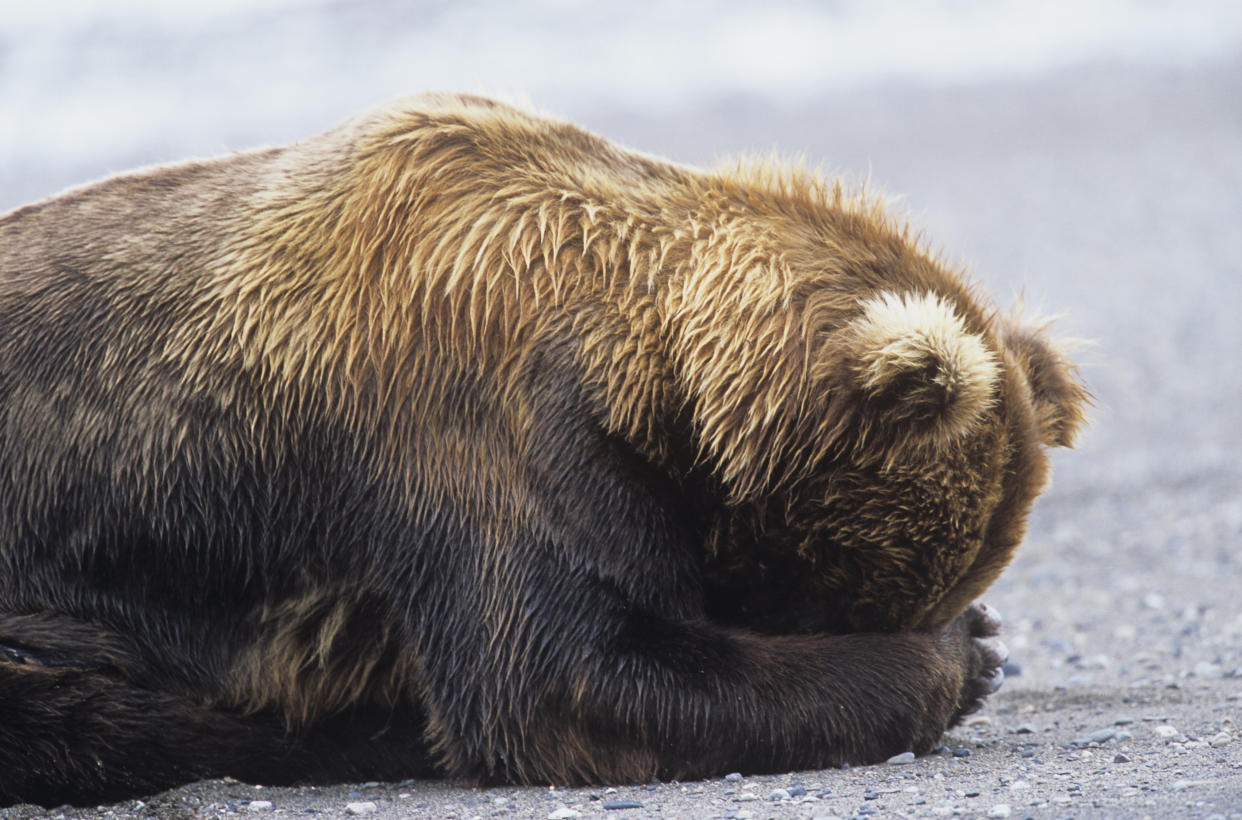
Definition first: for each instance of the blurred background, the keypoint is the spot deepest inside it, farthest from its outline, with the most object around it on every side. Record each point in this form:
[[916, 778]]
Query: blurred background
[[1085, 152], [89, 86]]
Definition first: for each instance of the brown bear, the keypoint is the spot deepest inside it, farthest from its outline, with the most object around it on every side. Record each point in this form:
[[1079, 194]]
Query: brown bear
[[458, 440]]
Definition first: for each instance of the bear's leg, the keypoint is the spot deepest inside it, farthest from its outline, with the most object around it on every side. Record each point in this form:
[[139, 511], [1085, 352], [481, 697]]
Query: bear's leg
[[588, 687], [73, 735], [84, 735]]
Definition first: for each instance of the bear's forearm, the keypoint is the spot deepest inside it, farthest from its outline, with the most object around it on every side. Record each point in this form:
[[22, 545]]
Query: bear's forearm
[[692, 699]]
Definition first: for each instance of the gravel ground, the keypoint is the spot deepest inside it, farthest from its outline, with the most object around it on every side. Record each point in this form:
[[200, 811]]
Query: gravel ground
[[1115, 196]]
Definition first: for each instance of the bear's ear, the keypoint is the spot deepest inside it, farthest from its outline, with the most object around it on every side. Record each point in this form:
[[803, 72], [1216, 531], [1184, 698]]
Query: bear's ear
[[1059, 398], [921, 373]]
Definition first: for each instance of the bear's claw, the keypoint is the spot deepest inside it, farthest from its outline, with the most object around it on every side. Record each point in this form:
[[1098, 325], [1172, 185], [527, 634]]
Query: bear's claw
[[986, 654]]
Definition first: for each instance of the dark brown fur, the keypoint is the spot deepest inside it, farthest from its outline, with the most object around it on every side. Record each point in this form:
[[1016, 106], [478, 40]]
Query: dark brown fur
[[460, 440]]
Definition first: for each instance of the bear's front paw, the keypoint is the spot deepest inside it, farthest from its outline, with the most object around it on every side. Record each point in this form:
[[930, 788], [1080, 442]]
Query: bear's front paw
[[979, 629]]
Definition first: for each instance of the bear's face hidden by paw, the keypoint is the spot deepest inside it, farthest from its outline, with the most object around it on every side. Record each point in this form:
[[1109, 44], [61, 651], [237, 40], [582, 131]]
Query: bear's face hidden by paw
[[922, 496]]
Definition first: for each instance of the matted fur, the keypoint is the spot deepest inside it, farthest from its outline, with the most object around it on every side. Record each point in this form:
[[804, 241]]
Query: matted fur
[[459, 439]]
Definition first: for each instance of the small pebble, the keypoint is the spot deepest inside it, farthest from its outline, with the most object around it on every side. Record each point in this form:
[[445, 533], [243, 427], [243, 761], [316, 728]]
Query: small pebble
[[616, 805], [797, 791], [1220, 739], [963, 752], [1026, 729], [779, 794], [1120, 758], [564, 813], [734, 777], [1208, 670], [999, 811], [1165, 731], [901, 759], [871, 794], [259, 805], [361, 807]]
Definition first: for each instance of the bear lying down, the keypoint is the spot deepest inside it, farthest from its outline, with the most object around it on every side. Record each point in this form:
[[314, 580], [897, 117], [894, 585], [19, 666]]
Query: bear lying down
[[457, 440]]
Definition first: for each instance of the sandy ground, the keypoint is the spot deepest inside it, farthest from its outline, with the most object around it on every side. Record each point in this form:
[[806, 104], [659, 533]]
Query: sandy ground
[[1114, 198]]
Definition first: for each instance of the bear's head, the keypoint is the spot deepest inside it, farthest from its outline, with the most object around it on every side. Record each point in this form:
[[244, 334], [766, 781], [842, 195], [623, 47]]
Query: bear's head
[[919, 486]]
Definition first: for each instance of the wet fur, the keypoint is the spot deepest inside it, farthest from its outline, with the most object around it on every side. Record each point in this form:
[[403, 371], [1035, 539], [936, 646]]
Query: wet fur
[[459, 440]]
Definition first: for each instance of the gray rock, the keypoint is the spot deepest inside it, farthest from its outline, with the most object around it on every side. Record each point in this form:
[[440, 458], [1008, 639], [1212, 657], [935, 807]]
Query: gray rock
[[1098, 736]]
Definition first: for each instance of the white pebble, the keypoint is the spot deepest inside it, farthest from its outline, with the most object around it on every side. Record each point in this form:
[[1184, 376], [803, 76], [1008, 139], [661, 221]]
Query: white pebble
[[258, 805], [1165, 731], [901, 759], [1220, 739], [564, 813], [999, 811], [361, 807], [1203, 669], [779, 794]]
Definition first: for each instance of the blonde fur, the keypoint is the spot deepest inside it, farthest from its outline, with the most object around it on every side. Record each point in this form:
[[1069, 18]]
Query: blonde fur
[[489, 229]]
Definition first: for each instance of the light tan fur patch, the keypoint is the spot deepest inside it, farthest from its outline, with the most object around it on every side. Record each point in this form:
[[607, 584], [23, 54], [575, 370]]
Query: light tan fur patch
[[917, 345]]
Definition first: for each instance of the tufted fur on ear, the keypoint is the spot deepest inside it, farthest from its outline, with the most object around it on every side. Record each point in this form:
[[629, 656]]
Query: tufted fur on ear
[[1059, 398], [920, 372]]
